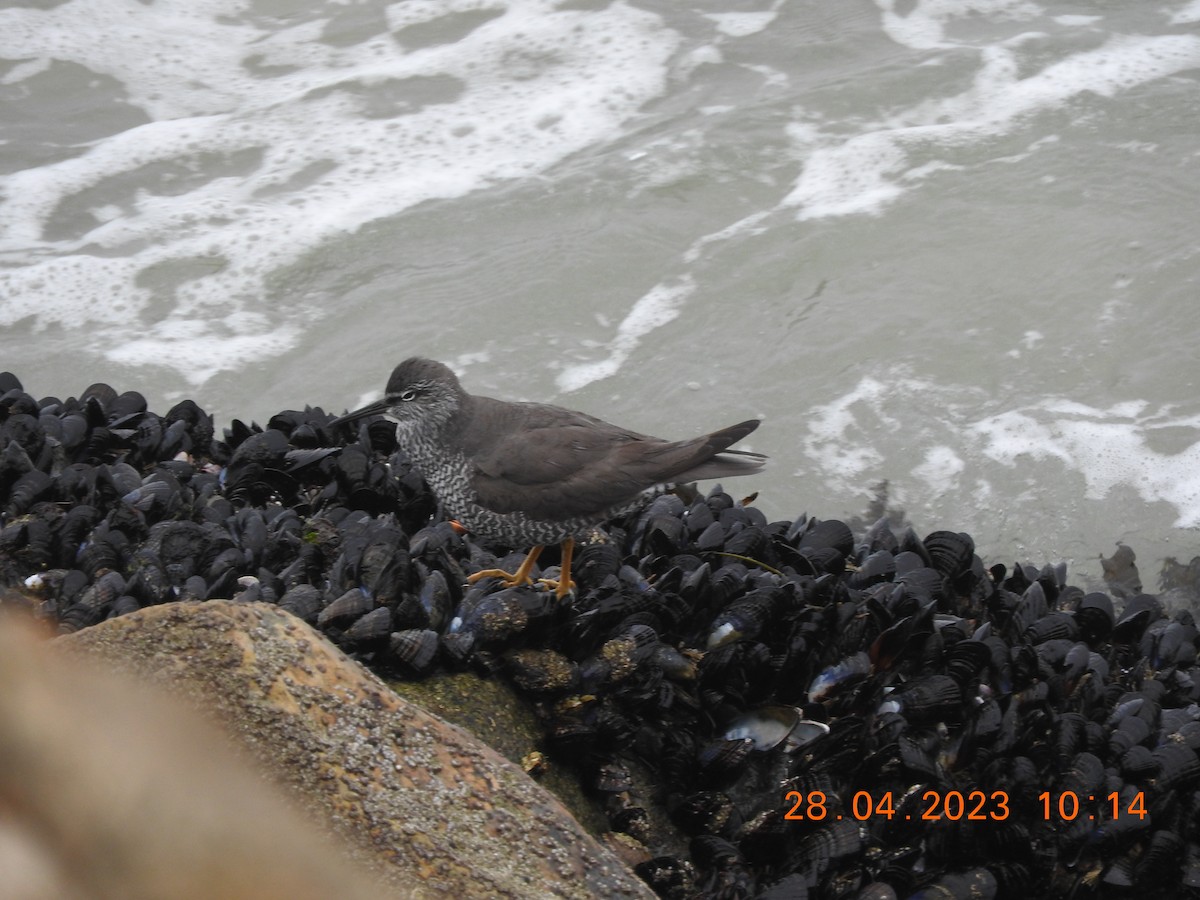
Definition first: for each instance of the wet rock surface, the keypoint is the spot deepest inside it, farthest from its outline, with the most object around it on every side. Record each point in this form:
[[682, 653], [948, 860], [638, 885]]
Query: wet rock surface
[[796, 708], [433, 811]]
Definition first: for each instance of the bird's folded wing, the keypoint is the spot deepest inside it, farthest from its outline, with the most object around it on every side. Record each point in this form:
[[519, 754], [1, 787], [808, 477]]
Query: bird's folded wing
[[580, 470], [555, 473]]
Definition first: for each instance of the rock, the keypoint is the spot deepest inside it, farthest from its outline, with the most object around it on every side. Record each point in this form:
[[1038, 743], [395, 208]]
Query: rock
[[1121, 572], [423, 803], [492, 711], [109, 789]]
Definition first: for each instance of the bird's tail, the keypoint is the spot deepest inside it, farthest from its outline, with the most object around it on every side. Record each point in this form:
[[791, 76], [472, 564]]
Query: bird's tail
[[724, 463]]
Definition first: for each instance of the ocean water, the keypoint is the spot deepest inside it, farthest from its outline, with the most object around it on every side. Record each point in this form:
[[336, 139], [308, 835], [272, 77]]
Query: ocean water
[[950, 245]]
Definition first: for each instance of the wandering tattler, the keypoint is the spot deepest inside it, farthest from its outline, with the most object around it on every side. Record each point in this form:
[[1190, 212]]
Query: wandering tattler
[[530, 474]]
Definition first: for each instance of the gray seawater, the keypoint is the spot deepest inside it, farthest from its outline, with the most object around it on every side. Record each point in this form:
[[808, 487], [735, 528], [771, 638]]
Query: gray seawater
[[947, 244]]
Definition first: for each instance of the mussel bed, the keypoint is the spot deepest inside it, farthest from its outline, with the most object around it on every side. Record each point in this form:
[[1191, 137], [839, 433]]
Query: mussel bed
[[824, 712]]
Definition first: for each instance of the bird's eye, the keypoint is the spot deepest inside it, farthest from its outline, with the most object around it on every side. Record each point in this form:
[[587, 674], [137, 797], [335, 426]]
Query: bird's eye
[[408, 394]]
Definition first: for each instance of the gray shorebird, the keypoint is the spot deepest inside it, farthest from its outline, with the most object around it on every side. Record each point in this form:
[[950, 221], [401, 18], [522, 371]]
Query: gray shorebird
[[530, 474]]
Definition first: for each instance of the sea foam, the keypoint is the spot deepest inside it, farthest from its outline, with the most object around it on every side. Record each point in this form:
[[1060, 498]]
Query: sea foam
[[262, 137]]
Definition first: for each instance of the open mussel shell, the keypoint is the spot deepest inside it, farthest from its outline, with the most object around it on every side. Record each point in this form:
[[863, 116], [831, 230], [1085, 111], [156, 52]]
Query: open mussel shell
[[767, 727], [805, 732]]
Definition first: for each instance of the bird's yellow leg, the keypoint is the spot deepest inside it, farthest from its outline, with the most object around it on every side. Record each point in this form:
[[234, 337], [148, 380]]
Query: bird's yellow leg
[[511, 579], [563, 585]]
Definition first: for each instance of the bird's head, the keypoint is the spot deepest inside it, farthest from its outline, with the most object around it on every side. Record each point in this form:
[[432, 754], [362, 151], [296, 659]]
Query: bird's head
[[421, 395]]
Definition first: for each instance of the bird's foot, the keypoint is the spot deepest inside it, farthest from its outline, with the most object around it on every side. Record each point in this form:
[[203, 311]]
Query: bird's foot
[[564, 584], [508, 579], [562, 587], [511, 579]]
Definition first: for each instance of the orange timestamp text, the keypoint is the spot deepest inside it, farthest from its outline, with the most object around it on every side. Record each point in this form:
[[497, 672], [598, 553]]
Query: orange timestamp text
[[969, 806]]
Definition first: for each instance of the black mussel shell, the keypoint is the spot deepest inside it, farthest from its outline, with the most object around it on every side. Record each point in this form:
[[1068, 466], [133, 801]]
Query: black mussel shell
[[415, 650], [542, 672], [350, 606]]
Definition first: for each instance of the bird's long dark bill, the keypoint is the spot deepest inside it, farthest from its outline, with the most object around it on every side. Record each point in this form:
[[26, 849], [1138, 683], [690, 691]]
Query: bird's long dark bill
[[379, 407]]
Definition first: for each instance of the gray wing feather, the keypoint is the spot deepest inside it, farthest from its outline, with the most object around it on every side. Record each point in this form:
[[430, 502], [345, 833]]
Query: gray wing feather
[[564, 465]]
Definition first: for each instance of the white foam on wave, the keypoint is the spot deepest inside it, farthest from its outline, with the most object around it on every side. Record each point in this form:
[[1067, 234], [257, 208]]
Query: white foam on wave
[[922, 26], [941, 470], [867, 171], [1187, 15], [1110, 447], [834, 440], [658, 306], [851, 441], [741, 24], [270, 136]]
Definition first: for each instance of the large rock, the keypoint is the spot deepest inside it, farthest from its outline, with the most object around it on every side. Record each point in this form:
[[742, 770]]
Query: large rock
[[111, 790], [431, 809]]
